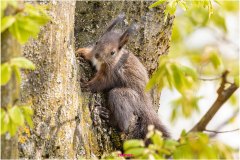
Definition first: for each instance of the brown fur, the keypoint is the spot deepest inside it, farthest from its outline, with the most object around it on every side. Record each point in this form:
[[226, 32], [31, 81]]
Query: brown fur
[[124, 78]]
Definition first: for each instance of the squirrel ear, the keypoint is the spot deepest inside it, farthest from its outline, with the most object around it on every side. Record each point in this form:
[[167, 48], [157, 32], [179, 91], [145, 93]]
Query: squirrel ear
[[119, 18], [125, 36]]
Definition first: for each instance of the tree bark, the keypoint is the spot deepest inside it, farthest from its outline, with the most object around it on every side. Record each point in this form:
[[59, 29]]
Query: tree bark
[[10, 48], [9, 93], [53, 89], [151, 41], [66, 122]]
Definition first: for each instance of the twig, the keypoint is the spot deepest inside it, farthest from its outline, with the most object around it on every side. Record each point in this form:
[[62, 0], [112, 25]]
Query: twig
[[221, 131], [223, 96], [209, 79], [224, 123]]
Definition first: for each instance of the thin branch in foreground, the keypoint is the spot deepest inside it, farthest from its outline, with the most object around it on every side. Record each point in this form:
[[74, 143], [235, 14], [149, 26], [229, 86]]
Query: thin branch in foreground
[[224, 123], [223, 96], [209, 79], [221, 131]]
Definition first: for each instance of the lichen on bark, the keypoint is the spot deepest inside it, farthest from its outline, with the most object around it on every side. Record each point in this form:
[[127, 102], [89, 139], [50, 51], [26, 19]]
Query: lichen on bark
[[150, 42], [66, 121]]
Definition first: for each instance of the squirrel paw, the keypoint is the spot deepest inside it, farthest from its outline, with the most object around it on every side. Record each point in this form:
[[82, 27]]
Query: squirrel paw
[[104, 113]]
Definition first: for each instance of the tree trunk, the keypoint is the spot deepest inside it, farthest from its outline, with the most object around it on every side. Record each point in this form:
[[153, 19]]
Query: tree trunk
[[10, 48], [9, 93], [53, 89], [152, 40], [66, 123]]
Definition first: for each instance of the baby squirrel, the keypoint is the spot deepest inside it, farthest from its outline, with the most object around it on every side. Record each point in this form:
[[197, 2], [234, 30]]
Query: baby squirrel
[[123, 77]]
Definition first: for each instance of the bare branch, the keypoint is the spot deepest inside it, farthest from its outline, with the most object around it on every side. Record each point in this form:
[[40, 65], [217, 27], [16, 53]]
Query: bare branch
[[210, 79], [221, 131], [224, 123], [223, 96]]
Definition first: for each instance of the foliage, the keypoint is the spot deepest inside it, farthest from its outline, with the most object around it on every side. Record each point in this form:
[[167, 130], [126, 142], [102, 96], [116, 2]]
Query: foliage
[[184, 4], [14, 117], [189, 146], [198, 63], [23, 23], [14, 65]]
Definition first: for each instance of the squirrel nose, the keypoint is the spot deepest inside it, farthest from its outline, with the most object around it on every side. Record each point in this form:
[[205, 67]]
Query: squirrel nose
[[97, 55]]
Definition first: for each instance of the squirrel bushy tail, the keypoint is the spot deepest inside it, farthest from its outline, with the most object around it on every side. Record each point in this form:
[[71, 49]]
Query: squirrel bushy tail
[[133, 113]]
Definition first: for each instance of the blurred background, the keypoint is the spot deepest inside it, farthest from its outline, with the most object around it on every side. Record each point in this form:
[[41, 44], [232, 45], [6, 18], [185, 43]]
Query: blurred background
[[197, 37]]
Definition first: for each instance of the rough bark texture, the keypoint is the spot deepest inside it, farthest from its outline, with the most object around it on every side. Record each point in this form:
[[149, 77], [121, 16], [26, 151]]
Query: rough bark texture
[[9, 93], [10, 48], [66, 123], [53, 89], [151, 41]]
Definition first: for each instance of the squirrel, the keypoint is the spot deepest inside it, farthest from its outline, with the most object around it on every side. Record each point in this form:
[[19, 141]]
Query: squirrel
[[123, 77]]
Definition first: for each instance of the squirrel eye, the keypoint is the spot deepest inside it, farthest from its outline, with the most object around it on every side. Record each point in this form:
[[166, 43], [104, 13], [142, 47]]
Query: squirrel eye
[[96, 43], [112, 53]]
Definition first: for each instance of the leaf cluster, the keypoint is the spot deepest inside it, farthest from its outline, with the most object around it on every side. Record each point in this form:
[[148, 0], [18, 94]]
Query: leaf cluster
[[190, 146], [199, 63], [25, 22], [14, 66], [14, 117]]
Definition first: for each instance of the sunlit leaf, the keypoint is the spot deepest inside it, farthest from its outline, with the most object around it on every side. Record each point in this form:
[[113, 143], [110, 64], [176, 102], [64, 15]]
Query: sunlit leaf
[[29, 120], [28, 23], [12, 127], [215, 59], [16, 115], [157, 139], [6, 73], [26, 110], [23, 63], [135, 151], [159, 2], [17, 73], [4, 121], [132, 144], [183, 5], [171, 144], [6, 22], [219, 20]]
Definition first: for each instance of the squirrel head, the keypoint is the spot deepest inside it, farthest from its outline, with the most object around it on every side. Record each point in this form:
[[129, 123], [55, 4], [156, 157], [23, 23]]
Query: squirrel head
[[108, 47]]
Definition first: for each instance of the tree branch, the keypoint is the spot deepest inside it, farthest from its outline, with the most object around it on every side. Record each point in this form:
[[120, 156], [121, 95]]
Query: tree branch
[[223, 96], [209, 79], [221, 131], [224, 123]]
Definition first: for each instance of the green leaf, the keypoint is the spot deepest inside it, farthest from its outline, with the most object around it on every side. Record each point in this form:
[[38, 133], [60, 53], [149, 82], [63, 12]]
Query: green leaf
[[28, 23], [12, 127], [3, 7], [27, 110], [29, 120], [135, 151], [183, 5], [171, 7], [17, 72], [132, 144], [170, 144], [215, 59], [157, 139], [190, 72], [159, 2], [236, 80], [16, 115], [22, 62], [219, 20], [6, 73], [6, 22], [4, 121]]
